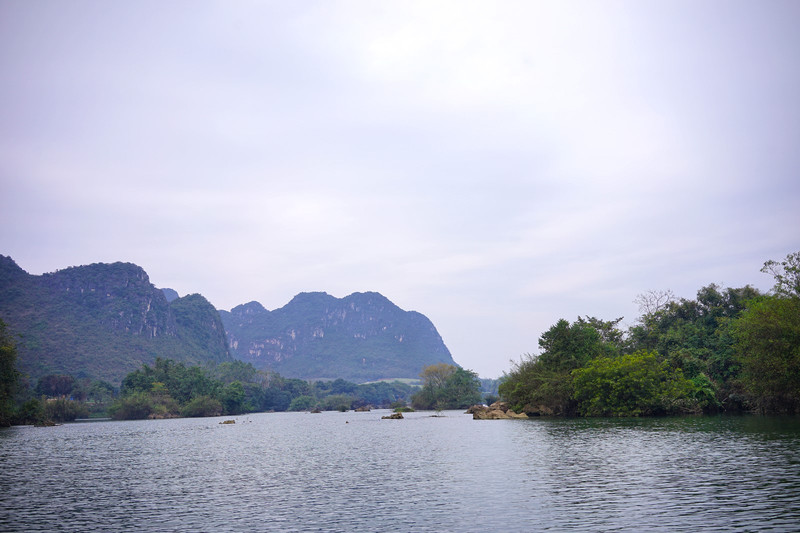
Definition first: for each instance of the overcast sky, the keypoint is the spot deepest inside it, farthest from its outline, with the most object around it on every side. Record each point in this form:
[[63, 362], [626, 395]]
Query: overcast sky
[[495, 166]]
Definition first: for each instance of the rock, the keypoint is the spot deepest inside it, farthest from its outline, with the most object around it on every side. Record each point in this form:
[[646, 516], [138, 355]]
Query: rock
[[537, 410], [503, 406], [228, 422], [393, 416], [496, 411], [364, 409]]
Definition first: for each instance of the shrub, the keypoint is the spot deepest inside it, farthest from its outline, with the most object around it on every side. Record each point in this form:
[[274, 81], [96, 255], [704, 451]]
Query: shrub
[[302, 403], [135, 406], [202, 406], [632, 385]]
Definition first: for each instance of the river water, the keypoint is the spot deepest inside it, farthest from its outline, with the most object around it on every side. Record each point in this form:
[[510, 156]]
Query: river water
[[355, 472]]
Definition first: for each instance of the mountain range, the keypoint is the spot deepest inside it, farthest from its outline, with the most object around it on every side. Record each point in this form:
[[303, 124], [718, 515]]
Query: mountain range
[[361, 337], [103, 321]]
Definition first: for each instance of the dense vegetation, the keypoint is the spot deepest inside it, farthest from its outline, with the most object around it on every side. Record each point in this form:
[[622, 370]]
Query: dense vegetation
[[102, 321], [447, 387], [727, 350], [9, 376], [170, 389], [55, 398]]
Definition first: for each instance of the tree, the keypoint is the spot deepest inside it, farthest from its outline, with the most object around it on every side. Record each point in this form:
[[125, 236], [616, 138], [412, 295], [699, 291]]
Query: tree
[[786, 274], [202, 406], [133, 406], [447, 387], [695, 336], [302, 403], [233, 399], [632, 385], [9, 376], [653, 301], [543, 384], [566, 346], [101, 391], [55, 385], [768, 345], [435, 376], [532, 386]]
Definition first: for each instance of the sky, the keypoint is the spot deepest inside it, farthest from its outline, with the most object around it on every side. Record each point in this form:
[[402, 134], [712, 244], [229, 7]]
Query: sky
[[495, 166]]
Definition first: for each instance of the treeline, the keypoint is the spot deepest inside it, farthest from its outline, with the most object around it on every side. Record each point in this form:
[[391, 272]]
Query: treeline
[[169, 389], [729, 350], [54, 398]]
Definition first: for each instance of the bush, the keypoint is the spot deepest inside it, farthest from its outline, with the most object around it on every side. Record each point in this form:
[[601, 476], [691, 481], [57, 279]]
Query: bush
[[337, 402], [135, 406], [202, 406], [632, 385], [302, 403], [447, 387], [63, 410], [31, 412], [532, 385]]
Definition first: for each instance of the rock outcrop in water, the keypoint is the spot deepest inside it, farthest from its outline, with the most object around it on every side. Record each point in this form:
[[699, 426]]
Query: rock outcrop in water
[[496, 411]]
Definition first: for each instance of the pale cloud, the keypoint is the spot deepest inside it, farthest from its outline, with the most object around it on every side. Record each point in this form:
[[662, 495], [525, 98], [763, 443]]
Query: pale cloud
[[496, 166]]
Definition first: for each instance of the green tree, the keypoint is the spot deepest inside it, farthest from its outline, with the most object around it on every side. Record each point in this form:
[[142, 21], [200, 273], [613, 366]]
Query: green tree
[[231, 371], [768, 335], [200, 406], [337, 402], [133, 406], [786, 274], [447, 387], [302, 403], [9, 376], [543, 384], [31, 412], [462, 389], [696, 336], [64, 410], [233, 399], [566, 346], [55, 385], [101, 392], [632, 385]]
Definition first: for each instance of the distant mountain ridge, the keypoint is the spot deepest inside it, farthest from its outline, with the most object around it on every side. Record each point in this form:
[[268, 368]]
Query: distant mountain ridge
[[103, 321], [361, 337], [106, 320]]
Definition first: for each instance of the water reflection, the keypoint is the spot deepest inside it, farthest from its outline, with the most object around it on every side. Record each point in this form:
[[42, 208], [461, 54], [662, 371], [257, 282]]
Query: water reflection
[[355, 472]]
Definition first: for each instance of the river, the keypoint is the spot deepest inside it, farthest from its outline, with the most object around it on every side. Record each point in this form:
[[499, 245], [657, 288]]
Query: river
[[353, 472]]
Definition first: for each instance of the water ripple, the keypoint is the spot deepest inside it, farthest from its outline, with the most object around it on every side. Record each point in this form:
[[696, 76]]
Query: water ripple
[[300, 472]]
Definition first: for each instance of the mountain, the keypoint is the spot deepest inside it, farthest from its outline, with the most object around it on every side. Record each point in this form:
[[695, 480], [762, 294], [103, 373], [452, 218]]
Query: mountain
[[361, 337], [103, 321], [170, 294]]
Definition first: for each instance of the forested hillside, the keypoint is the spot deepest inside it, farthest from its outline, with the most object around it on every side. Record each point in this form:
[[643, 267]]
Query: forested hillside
[[361, 337], [103, 321]]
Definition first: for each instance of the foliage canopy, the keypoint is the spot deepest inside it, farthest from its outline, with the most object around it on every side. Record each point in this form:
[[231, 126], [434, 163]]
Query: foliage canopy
[[727, 349]]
